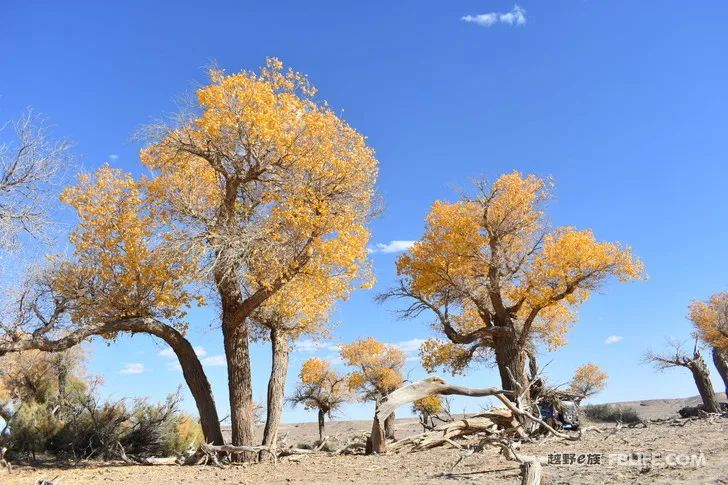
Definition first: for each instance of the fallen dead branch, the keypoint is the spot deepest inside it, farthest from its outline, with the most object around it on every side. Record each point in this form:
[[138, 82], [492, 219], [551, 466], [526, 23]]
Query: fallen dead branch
[[505, 420]]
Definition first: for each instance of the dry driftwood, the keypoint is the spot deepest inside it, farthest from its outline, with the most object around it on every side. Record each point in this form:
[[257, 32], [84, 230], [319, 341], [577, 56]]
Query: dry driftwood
[[500, 422], [531, 473], [437, 385]]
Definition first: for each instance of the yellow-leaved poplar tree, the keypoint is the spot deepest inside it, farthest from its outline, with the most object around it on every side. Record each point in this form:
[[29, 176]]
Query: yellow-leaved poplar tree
[[710, 319], [378, 371], [273, 187], [127, 274], [320, 388], [498, 280], [588, 380]]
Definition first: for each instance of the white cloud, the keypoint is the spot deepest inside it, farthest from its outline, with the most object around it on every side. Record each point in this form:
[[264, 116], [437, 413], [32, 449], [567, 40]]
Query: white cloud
[[214, 361], [395, 246], [132, 368], [411, 345], [309, 345], [169, 353], [113, 156], [517, 16], [613, 339], [334, 359]]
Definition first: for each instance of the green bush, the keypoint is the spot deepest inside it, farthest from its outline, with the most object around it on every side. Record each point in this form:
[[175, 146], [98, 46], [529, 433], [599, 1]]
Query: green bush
[[84, 427], [33, 428], [609, 413]]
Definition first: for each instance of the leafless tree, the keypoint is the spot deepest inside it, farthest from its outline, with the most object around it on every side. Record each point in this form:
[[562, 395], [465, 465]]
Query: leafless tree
[[677, 357], [28, 166]]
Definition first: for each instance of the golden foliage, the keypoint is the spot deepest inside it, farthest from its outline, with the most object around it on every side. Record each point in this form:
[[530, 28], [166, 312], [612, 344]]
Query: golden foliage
[[589, 379], [321, 386], [126, 263], [436, 353], [379, 367], [711, 320], [428, 406], [490, 261], [276, 185]]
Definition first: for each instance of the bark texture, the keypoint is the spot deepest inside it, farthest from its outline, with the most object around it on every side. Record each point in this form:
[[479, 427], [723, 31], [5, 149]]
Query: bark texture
[[702, 381], [720, 359], [276, 385], [389, 427], [321, 423]]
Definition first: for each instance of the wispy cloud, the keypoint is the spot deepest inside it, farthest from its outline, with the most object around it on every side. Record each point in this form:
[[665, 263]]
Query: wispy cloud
[[214, 361], [169, 353], [412, 345], [396, 246], [613, 339], [334, 359], [132, 368], [517, 16], [309, 345], [113, 156]]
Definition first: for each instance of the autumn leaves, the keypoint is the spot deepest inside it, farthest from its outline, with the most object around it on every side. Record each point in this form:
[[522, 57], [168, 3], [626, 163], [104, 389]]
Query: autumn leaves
[[260, 197]]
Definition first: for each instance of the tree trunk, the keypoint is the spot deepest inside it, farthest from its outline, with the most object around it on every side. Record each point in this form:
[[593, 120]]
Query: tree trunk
[[376, 443], [720, 359], [276, 385], [702, 381], [242, 410], [389, 427], [195, 378], [237, 355], [321, 423], [511, 364], [512, 369]]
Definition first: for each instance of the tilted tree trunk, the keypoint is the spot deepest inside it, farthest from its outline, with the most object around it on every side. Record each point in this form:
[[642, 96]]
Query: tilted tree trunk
[[389, 427], [276, 385], [192, 370], [702, 381], [720, 359], [321, 423]]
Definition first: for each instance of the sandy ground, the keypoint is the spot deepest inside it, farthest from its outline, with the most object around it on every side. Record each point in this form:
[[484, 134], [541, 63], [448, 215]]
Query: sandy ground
[[694, 452]]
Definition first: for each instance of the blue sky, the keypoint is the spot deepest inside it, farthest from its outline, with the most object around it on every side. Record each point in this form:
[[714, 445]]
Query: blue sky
[[622, 102]]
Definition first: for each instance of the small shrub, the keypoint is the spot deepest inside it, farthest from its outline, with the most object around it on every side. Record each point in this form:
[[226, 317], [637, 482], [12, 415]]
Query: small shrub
[[181, 433], [609, 413], [33, 428]]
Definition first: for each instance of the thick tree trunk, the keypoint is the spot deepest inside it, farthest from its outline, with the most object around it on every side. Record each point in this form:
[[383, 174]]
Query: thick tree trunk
[[720, 359], [276, 385], [237, 355], [389, 427], [242, 409], [511, 363], [702, 381], [321, 423], [199, 386]]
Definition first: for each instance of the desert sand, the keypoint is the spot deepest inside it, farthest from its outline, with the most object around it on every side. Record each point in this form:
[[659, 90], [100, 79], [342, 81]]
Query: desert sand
[[669, 452]]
